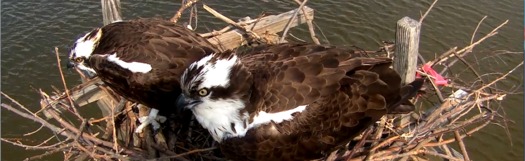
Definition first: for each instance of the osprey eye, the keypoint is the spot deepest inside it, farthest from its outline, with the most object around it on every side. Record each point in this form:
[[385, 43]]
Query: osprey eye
[[79, 59], [203, 92]]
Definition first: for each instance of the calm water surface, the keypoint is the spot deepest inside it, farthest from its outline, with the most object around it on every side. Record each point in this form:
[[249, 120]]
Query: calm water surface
[[31, 30]]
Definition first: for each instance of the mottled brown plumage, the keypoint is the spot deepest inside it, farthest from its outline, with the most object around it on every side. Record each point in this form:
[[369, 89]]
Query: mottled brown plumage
[[345, 92], [167, 47]]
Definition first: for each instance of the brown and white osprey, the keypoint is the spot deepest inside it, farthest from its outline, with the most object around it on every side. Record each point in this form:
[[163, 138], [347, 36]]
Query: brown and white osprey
[[291, 101], [141, 60]]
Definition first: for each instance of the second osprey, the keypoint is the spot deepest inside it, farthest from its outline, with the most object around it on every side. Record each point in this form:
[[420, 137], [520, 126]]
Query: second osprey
[[291, 101], [141, 60]]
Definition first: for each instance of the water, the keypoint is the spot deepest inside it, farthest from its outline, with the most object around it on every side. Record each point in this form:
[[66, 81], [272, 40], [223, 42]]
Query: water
[[31, 30]]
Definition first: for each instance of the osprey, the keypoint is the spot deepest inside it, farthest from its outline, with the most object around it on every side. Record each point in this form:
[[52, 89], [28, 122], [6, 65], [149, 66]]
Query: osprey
[[142, 60], [291, 101]]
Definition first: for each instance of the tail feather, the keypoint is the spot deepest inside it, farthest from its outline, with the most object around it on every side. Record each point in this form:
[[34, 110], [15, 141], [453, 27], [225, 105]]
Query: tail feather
[[407, 92]]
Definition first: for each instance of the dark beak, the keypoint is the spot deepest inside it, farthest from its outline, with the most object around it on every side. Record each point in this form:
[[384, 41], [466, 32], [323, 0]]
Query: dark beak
[[184, 103], [70, 65]]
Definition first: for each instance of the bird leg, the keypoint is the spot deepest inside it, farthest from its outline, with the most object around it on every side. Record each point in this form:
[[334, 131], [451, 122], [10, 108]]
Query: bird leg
[[152, 119]]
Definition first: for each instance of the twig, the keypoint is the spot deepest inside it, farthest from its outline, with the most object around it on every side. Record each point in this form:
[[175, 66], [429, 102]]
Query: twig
[[444, 56], [177, 15], [193, 14], [52, 151], [65, 86], [377, 136], [229, 21], [97, 141], [310, 25], [17, 103], [35, 131], [259, 19], [476, 30], [290, 21], [188, 153], [360, 143], [436, 88], [475, 119], [387, 141], [35, 119], [115, 144], [426, 13], [461, 145], [215, 33], [418, 147], [56, 144], [389, 157], [322, 33], [440, 155], [500, 78], [30, 146], [446, 149], [470, 132], [461, 52], [469, 66], [296, 38]]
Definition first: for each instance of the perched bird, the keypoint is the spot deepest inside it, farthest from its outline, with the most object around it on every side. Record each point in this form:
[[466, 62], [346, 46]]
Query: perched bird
[[291, 101], [142, 60]]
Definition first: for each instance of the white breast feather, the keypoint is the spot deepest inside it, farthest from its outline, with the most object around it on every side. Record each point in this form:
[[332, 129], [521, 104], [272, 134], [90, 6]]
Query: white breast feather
[[224, 112], [217, 115]]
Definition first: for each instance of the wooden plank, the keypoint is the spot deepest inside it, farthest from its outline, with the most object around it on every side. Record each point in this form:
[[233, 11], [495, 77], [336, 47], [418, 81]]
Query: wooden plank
[[88, 92], [266, 25], [83, 94], [406, 52]]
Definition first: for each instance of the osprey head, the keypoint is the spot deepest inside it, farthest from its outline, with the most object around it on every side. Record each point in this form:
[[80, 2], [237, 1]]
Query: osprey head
[[216, 89], [82, 50]]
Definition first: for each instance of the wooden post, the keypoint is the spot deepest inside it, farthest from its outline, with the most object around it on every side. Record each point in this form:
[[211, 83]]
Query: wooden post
[[407, 50], [110, 11]]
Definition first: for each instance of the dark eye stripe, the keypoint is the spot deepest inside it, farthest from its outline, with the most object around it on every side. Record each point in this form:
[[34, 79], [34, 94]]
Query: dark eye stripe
[[73, 54], [219, 92]]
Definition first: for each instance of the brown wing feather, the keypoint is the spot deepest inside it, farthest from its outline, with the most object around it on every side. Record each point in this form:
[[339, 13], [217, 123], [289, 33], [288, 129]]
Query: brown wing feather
[[345, 93], [167, 47]]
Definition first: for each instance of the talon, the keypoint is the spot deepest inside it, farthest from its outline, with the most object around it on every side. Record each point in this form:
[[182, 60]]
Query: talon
[[150, 119], [144, 121]]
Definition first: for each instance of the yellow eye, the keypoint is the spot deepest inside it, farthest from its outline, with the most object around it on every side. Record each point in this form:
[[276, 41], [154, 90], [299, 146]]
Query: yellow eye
[[203, 92], [79, 59]]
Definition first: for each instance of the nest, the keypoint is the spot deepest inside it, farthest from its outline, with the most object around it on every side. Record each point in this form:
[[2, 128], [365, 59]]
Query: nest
[[445, 115]]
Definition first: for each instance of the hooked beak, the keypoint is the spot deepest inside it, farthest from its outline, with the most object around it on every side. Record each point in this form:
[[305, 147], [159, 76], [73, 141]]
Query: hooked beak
[[70, 64], [184, 103]]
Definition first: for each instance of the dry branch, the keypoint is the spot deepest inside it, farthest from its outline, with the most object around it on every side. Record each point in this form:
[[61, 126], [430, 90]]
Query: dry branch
[[177, 15], [291, 20]]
